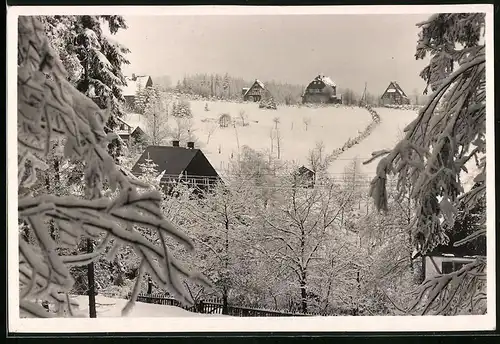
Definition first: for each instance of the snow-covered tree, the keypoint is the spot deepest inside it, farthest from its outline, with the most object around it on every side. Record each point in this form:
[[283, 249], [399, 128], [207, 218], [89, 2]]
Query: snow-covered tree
[[156, 116], [296, 226], [439, 146], [49, 107], [182, 109], [95, 60], [222, 242]]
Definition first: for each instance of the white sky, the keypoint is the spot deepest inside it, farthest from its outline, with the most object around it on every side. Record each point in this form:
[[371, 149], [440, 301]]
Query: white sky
[[351, 49]]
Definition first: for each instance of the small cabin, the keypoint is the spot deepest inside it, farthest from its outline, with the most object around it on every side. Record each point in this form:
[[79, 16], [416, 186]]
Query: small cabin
[[129, 133], [304, 177], [254, 93], [394, 95], [322, 90]]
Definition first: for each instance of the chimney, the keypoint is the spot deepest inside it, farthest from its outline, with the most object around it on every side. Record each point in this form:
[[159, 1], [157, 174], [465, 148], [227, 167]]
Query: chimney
[[190, 145], [134, 77], [175, 143]]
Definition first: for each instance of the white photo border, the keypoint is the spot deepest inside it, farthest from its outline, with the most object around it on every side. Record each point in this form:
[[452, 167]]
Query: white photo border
[[235, 324]]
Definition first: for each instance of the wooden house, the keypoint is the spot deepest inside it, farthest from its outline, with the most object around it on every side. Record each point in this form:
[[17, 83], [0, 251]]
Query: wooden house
[[322, 90], [254, 93], [134, 83], [394, 95], [130, 131], [304, 177], [177, 164]]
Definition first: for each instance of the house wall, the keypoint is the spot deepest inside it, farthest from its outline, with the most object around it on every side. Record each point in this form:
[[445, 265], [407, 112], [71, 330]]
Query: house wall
[[316, 98], [254, 94], [430, 268], [129, 101], [394, 99], [318, 92]]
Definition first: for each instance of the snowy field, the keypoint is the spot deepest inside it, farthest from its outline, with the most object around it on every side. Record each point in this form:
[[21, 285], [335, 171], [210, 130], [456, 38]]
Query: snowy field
[[107, 307], [385, 136], [331, 125]]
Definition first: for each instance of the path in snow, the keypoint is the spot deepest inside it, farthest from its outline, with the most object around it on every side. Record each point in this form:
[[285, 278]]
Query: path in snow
[[385, 135]]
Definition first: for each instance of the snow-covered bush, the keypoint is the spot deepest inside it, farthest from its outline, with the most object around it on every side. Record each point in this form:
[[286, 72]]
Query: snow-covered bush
[[50, 107], [182, 109]]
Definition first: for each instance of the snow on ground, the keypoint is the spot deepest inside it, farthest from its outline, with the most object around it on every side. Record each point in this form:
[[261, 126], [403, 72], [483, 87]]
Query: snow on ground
[[332, 125], [384, 136], [107, 307]]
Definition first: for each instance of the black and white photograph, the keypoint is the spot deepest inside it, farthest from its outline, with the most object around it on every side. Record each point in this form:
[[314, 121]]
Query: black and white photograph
[[251, 169]]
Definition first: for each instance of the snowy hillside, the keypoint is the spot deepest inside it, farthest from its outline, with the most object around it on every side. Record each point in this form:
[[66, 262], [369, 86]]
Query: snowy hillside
[[300, 129], [110, 307], [385, 136], [332, 125]]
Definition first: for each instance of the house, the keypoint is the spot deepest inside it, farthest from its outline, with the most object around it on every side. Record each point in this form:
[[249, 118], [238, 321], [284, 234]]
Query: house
[[134, 83], [179, 164], [129, 128], [445, 259], [322, 90], [394, 95], [254, 93], [305, 177]]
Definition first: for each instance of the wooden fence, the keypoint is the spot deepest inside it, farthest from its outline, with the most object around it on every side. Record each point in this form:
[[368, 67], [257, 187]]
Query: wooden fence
[[215, 306]]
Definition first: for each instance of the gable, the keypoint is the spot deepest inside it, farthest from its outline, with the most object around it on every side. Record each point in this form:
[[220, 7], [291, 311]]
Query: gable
[[257, 86], [200, 166], [133, 85], [394, 88]]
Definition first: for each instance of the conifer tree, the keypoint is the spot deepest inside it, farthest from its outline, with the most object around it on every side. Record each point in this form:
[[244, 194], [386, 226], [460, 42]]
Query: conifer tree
[[439, 146], [49, 106]]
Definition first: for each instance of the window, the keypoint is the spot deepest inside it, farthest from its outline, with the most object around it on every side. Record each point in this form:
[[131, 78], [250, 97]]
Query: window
[[449, 267]]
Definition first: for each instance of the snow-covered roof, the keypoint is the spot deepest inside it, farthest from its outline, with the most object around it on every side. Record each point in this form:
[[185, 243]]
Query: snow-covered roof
[[133, 120], [327, 81], [133, 85], [395, 88], [258, 82]]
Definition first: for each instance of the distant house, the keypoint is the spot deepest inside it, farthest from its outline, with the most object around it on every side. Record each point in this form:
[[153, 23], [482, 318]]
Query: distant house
[[134, 83], [129, 128], [179, 164], [254, 93], [394, 95], [304, 177], [322, 90]]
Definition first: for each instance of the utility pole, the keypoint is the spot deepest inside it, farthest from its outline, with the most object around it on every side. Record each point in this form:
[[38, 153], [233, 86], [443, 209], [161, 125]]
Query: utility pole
[[92, 194], [364, 97]]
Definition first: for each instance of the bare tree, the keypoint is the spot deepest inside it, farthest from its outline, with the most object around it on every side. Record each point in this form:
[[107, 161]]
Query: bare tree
[[276, 121], [297, 226], [319, 160], [156, 116], [243, 118], [211, 127], [306, 121], [278, 142]]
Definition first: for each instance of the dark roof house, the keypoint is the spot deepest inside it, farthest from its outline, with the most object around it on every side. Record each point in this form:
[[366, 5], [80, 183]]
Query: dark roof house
[[184, 164], [322, 90], [394, 95]]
